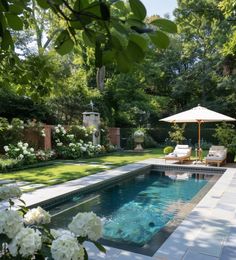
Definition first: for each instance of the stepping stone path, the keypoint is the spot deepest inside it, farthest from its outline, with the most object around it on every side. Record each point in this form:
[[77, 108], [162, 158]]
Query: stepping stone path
[[22, 183], [3, 182]]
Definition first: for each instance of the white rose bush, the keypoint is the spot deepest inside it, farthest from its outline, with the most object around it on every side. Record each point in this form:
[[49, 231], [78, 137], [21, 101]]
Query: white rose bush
[[25, 233]]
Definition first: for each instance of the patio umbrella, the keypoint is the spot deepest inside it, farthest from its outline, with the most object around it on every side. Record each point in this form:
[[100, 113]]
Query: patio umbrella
[[197, 115]]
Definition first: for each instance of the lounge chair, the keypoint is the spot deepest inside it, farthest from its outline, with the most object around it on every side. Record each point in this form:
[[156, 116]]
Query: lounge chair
[[181, 153], [217, 155]]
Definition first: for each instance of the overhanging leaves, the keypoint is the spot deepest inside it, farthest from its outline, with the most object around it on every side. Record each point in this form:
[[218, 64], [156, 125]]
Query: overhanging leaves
[[43, 3], [14, 21], [165, 25], [64, 44], [160, 39], [138, 9]]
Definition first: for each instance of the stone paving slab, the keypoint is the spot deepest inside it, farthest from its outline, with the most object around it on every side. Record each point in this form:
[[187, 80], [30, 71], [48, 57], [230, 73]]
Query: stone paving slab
[[197, 256], [3, 182], [32, 186]]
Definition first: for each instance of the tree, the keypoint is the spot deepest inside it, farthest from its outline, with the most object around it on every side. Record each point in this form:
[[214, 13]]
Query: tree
[[116, 30]]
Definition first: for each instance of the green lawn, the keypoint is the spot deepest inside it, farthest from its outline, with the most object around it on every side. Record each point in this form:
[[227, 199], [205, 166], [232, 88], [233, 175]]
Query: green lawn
[[61, 172], [122, 158]]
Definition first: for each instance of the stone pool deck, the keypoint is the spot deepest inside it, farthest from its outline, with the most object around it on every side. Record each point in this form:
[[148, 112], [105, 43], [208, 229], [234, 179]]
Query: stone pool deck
[[208, 233]]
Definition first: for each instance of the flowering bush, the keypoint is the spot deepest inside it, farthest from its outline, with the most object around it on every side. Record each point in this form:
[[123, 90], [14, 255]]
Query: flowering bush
[[23, 233], [21, 152], [37, 216], [68, 146], [45, 155], [66, 246], [9, 191], [86, 225], [10, 132]]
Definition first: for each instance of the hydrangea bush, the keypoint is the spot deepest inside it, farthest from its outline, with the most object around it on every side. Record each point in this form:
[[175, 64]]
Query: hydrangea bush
[[24, 234], [68, 146], [21, 152]]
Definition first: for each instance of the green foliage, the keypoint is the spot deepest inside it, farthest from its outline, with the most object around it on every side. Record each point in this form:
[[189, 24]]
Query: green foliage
[[102, 23], [13, 105], [8, 164], [168, 149], [226, 135], [10, 133], [177, 133]]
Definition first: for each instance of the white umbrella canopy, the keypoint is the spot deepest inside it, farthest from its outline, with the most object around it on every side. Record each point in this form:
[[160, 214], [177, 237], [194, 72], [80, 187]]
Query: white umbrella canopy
[[198, 115]]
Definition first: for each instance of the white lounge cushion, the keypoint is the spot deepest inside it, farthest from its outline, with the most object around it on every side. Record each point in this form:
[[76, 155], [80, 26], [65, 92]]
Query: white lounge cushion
[[215, 158]]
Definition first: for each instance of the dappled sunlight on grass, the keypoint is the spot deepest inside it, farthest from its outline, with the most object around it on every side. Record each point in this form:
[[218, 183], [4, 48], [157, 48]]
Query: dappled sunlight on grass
[[52, 174], [61, 172], [120, 158]]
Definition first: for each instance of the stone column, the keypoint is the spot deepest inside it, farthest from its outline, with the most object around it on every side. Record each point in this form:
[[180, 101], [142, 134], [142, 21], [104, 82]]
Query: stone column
[[93, 119]]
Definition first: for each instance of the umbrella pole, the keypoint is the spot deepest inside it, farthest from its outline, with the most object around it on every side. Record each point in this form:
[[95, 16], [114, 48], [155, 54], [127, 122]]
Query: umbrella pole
[[199, 142]]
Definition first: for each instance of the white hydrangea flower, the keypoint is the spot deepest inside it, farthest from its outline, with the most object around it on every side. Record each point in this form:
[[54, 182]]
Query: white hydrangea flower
[[25, 152], [59, 144], [6, 148], [32, 150], [83, 149], [10, 223], [9, 191], [37, 216], [86, 134], [27, 242], [26, 145], [21, 156], [60, 232], [66, 247], [87, 224], [19, 144]]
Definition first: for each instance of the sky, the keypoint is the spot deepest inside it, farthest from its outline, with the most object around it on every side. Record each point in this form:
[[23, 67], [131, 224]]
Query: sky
[[160, 7]]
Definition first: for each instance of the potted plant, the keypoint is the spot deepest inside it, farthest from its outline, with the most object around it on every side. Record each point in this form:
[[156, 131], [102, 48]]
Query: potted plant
[[226, 135], [139, 139]]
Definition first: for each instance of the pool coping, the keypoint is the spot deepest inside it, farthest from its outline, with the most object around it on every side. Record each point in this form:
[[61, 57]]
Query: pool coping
[[191, 239]]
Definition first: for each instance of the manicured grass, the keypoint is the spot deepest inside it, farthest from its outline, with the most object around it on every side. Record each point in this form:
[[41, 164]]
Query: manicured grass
[[52, 174], [61, 171], [122, 158]]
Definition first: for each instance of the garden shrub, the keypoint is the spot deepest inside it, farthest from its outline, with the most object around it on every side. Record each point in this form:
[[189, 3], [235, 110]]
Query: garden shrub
[[67, 145], [168, 149], [10, 133], [21, 152], [8, 164]]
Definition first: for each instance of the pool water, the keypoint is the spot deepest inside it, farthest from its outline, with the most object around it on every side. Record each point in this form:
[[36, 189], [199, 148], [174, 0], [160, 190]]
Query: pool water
[[133, 210]]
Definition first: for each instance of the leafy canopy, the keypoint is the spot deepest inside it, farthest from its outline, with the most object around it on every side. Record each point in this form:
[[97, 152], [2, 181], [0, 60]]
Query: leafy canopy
[[115, 29]]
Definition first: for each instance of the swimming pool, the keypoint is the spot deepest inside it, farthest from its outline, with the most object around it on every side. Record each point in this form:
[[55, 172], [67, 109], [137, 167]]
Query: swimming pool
[[135, 210]]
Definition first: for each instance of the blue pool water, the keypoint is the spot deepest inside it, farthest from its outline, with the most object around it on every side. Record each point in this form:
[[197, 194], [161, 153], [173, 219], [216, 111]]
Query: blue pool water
[[134, 210]]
